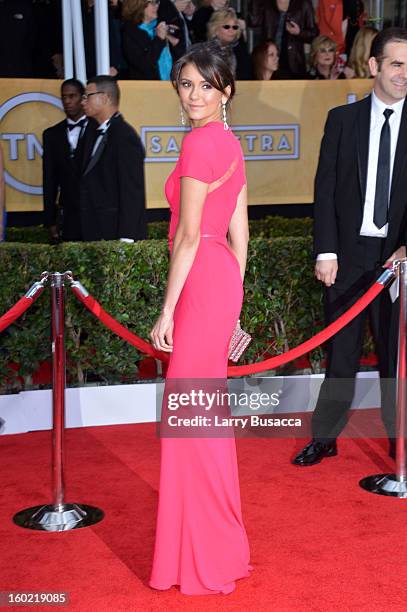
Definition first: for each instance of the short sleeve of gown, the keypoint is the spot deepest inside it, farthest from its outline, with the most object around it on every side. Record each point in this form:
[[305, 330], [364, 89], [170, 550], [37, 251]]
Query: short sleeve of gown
[[197, 156]]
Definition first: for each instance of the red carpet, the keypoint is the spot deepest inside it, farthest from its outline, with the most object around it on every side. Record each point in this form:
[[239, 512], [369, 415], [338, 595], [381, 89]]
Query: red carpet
[[318, 541]]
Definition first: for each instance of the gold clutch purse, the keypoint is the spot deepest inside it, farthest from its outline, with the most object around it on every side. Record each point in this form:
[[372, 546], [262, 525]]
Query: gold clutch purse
[[238, 343]]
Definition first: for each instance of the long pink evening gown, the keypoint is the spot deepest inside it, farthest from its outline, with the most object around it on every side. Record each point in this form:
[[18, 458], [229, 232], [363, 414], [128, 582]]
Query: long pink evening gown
[[201, 543]]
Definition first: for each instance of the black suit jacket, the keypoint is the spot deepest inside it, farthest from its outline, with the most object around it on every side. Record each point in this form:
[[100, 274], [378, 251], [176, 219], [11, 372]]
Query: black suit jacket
[[340, 184], [112, 186], [62, 171]]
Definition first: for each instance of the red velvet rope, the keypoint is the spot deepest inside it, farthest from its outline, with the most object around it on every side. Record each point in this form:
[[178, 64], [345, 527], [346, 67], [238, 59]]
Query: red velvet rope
[[16, 311], [260, 366], [309, 345], [95, 308]]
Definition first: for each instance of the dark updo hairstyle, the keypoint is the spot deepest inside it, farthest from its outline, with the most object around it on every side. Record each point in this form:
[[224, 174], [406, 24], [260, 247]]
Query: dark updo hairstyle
[[212, 63]]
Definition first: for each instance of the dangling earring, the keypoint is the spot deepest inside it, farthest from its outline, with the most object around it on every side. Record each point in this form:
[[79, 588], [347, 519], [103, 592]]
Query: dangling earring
[[181, 112], [224, 118]]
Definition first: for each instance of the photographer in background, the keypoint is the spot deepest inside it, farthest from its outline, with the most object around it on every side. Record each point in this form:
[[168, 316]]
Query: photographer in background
[[146, 42]]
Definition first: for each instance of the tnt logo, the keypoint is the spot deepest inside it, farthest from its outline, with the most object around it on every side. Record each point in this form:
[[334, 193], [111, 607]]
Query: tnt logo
[[22, 121]]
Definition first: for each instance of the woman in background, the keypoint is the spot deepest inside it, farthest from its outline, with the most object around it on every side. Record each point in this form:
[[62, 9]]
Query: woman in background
[[265, 61], [323, 61], [145, 41], [226, 29], [359, 56]]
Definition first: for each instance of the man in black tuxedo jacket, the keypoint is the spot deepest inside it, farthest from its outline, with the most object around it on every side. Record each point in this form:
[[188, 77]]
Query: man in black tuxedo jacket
[[361, 225], [63, 156], [112, 185]]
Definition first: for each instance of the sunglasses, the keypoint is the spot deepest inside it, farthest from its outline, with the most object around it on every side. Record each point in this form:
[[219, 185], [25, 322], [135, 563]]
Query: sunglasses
[[228, 27]]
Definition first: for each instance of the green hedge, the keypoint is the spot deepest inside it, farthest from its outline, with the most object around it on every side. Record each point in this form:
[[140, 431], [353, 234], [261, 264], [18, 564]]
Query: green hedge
[[282, 304], [282, 307], [269, 227]]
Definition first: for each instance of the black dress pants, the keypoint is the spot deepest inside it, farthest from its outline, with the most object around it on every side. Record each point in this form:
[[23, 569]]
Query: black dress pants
[[344, 349]]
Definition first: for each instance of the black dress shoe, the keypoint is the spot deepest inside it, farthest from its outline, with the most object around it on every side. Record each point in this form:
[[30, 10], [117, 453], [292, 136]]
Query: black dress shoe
[[314, 452]]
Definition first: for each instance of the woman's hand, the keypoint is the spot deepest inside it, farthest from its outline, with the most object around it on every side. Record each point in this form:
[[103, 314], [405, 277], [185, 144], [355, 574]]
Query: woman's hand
[[161, 30], [349, 72], [161, 334], [292, 28]]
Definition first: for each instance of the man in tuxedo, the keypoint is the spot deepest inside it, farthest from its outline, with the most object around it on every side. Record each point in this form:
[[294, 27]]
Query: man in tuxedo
[[112, 186], [360, 226], [63, 155]]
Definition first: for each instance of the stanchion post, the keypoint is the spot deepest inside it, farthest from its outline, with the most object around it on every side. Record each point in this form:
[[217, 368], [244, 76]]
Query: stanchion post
[[58, 516], [395, 485], [58, 386], [401, 378]]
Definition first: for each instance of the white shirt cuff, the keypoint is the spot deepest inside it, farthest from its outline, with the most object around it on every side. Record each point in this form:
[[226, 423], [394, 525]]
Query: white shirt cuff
[[323, 256]]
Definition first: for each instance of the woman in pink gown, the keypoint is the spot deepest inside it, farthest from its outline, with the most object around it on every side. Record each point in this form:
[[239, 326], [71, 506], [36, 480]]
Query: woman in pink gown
[[201, 543]]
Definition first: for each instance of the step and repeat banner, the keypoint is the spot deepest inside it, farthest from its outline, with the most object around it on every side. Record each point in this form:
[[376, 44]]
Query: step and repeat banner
[[279, 125]]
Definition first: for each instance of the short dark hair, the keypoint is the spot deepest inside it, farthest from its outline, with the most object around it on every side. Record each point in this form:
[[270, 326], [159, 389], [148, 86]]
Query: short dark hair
[[384, 37], [74, 83], [211, 62], [108, 85]]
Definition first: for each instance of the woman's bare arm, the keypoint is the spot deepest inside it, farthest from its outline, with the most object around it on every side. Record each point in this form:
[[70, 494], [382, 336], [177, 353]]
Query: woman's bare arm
[[185, 246]]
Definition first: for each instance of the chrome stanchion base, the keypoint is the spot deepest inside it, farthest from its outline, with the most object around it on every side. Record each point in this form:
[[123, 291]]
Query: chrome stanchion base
[[385, 484], [63, 517]]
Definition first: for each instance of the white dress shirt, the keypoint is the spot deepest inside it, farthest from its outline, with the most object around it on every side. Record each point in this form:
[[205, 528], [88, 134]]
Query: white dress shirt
[[103, 127], [377, 120], [73, 135]]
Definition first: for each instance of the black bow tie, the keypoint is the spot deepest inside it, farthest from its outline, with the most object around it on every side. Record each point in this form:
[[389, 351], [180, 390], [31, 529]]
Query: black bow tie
[[79, 124]]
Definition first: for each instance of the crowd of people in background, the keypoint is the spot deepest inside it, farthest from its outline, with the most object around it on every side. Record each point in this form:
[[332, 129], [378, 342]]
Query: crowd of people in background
[[273, 39]]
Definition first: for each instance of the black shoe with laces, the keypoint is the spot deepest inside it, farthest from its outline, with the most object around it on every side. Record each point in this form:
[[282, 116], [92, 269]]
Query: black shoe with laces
[[314, 452]]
